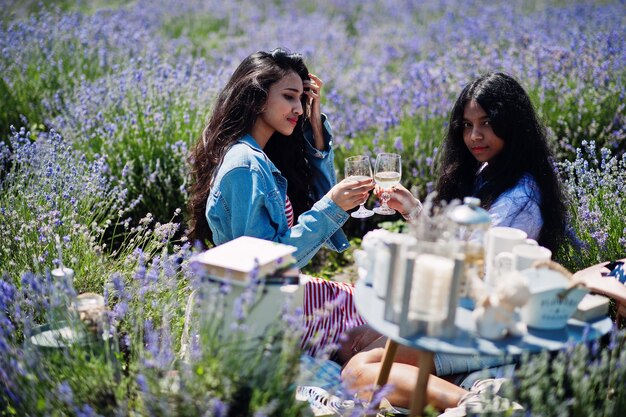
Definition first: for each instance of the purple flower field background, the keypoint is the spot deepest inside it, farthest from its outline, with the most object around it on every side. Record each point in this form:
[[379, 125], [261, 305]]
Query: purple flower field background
[[100, 103]]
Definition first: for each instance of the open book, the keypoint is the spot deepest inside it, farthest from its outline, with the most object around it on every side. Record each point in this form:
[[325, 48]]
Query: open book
[[245, 258]]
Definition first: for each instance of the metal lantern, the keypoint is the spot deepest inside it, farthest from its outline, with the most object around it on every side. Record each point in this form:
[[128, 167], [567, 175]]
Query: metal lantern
[[398, 246], [430, 282]]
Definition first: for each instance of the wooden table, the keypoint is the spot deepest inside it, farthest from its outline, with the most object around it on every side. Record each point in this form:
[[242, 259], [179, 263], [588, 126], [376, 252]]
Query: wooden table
[[465, 342]]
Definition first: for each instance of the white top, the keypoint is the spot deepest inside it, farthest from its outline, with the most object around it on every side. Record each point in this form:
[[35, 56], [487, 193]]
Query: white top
[[518, 207]]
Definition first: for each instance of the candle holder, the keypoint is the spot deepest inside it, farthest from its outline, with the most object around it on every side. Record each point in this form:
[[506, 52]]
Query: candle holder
[[398, 246], [63, 274], [429, 282], [433, 274]]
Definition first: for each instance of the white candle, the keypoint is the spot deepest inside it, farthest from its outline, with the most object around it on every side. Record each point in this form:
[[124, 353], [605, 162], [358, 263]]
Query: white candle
[[381, 271], [430, 289]]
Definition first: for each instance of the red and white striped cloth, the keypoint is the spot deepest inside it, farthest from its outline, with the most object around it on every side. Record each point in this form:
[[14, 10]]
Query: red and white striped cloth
[[289, 212], [329, 312], [328, 308]]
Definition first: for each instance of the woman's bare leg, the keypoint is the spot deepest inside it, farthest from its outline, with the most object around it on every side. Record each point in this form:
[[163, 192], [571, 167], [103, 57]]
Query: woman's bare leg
[[363, 338], [361, 371]]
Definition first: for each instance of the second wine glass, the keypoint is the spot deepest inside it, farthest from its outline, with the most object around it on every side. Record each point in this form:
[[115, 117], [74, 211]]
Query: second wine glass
[[387, 174], [359, 168]]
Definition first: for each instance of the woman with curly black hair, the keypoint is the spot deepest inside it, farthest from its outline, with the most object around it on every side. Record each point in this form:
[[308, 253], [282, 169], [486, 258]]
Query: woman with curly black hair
[[496, 149]]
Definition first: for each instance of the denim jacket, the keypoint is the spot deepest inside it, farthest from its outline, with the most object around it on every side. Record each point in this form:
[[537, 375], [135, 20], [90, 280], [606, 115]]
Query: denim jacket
[[248, 199]]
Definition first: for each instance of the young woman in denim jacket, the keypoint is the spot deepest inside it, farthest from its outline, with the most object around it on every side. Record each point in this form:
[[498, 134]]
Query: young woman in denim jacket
[[239, 190], [495, 149], [263, 167]]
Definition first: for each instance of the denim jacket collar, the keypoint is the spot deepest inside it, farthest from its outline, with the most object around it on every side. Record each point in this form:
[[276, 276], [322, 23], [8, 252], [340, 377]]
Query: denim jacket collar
[[247, 139]]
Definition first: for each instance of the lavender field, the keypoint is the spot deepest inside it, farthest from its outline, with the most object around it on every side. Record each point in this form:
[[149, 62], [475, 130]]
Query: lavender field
[[100, 103]]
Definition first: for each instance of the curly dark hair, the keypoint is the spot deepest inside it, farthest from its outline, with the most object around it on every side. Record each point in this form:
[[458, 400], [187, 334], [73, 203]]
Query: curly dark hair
[[234, 113], [526, 150]]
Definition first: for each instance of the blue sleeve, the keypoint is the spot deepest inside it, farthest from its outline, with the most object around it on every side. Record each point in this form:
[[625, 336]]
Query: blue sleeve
[[322, 163], [242, 188]]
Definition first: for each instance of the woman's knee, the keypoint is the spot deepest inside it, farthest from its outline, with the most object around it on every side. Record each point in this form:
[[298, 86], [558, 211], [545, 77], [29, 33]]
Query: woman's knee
[[357, 339], [358, 367]]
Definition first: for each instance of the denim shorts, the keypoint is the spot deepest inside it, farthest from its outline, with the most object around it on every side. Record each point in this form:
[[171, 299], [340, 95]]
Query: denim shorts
[[449, 364]]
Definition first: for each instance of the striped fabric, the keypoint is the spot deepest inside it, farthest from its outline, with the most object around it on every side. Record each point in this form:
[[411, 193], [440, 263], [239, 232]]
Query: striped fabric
[[289, 212], [328, 312]]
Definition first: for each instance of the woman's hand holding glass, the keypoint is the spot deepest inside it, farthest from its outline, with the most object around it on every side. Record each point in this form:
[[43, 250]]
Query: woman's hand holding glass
[[400, 199], [349, 193], [358, 168], [387, 173]]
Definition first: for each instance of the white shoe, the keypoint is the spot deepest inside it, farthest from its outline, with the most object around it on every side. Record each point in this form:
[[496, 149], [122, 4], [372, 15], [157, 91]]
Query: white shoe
[[482, 398], [323, 403]]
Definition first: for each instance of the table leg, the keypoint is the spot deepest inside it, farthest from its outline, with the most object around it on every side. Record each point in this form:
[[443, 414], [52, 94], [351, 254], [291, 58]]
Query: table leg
[[389, 355], [426, 367]]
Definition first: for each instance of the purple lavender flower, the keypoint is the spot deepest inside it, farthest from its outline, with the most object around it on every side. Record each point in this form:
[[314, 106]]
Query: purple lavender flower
[[85, 411], [65, 393], [142, 383], [219, 408]]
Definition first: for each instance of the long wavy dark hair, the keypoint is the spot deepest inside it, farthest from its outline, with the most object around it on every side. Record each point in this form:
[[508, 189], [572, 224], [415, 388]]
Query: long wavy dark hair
[[526, 150], [234, 113]]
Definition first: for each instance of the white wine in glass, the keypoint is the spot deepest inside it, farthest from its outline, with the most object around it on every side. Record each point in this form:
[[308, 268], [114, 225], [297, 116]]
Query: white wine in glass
[[387, 174], [359, 168]]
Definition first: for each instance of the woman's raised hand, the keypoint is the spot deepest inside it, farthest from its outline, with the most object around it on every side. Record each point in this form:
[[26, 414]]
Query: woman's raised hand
[[349, 193], [313, 90], [400, 199]]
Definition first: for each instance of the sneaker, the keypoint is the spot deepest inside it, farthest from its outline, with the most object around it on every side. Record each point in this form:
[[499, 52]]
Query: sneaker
[[323, 403], [482, 399]]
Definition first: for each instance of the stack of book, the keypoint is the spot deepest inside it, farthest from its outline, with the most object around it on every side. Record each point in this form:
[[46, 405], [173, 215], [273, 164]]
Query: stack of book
[[246, 258], [591, 307]]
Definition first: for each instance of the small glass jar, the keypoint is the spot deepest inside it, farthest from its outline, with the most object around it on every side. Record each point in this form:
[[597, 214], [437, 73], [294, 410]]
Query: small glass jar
[[471, 224]]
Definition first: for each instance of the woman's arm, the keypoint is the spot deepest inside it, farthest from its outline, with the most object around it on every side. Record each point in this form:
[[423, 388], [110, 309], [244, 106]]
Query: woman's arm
[[318, 151], [321, 161], [318, 140], [247, 207]]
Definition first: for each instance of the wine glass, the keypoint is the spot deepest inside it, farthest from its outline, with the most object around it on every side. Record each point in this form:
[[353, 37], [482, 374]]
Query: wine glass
[[359, 168], [386, 175]]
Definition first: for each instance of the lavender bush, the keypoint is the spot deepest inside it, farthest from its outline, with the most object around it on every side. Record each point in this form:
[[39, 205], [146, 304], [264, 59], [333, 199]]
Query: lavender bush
[[111, 97], [50, 361], [48, 54], [49, 191], [596, 183], [429, 47], [147, 115], [581, 380], [131, 363]]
